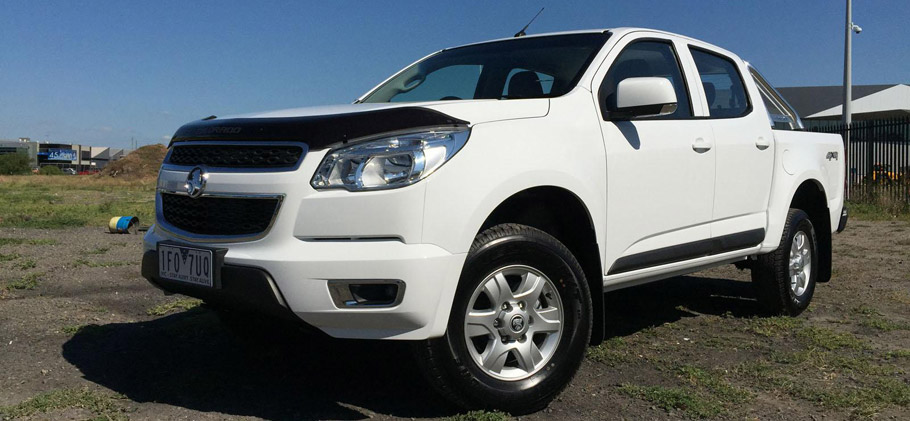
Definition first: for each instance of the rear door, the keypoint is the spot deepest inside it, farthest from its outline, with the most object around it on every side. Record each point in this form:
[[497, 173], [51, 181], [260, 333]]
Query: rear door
[[744, 147], [660, 170]]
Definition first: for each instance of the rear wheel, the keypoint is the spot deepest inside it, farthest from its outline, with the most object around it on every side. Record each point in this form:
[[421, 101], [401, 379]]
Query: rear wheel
[[785, 278], [519, 325]]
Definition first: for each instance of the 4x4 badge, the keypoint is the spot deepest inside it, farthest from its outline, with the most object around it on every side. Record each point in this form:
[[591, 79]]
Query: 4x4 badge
[[195, 182]]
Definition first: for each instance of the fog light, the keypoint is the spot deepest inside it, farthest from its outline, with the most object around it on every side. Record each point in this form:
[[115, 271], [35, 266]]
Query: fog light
[[348, 293]]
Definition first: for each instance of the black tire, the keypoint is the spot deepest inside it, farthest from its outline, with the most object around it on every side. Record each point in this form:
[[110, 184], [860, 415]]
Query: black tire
[[771, 272], [446, 361]]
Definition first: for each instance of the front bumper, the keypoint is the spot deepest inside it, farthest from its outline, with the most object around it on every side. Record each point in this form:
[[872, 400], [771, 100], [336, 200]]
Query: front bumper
[[286, 276], [242, 288]]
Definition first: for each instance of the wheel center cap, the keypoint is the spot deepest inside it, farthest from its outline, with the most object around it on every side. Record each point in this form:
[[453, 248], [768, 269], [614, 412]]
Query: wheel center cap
[[517, 324]]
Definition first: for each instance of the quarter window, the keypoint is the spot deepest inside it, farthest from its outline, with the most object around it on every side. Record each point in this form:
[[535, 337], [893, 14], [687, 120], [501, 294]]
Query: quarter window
[[723, 86], [513, 86], [647, 59], [780, 115]]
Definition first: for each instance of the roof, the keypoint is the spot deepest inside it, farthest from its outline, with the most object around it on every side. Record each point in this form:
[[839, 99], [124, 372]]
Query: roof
[[616, 31], [822, 101]]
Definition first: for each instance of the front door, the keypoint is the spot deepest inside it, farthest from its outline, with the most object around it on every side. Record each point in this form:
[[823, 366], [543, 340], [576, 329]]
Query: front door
[[660, 170]]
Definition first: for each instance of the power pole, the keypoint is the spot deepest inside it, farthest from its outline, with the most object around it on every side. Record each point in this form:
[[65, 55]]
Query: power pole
[[849, 29], [848, 77]]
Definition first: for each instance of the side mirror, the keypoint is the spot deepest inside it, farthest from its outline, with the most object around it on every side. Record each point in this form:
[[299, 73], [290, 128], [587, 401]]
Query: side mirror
[[644, 97]]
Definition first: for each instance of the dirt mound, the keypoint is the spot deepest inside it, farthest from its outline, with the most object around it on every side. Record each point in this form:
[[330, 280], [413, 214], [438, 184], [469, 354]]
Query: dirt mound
[[141, 163]]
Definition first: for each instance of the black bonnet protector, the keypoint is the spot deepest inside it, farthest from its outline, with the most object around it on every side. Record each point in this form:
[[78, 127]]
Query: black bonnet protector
[[317, 131]]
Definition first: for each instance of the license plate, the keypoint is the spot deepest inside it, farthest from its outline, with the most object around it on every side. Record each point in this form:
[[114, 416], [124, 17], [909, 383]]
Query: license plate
[[185, 264]]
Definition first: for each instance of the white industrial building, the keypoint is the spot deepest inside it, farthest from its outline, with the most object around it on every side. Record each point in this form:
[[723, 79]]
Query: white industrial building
[[870, 102]]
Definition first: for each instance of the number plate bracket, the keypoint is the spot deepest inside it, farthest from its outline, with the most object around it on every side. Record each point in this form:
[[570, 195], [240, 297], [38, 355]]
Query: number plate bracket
[[217, 259]]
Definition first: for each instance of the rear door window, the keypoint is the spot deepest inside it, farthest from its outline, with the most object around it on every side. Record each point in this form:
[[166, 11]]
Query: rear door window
[[722, 83]]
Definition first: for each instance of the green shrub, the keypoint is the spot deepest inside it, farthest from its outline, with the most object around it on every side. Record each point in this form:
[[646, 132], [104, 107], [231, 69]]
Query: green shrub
[[50, 170], [14, 164]]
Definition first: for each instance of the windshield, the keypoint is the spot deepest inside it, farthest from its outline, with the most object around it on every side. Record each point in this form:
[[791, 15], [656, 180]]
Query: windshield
[[536, 67]]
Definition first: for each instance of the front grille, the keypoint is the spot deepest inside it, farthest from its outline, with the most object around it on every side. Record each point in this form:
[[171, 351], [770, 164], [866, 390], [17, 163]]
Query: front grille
[[226, 216], [236, 156]]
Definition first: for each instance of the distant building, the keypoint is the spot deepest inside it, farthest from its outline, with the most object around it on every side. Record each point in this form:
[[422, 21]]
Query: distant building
[[819, 105], [23, 145], [63, 155]]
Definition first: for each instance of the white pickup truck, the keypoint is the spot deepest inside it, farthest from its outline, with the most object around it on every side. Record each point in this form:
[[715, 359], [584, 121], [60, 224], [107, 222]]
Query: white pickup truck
[[481, 201]]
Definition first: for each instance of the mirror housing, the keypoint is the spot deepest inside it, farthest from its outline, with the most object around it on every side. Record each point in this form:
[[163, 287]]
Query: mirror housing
[[644, 97]]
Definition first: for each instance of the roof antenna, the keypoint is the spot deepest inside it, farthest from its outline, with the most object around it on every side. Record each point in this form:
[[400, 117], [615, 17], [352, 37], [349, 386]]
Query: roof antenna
[[521, 33]]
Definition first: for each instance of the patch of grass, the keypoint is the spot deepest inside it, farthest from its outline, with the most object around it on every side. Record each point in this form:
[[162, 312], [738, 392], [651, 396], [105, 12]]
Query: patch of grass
[[178, 305], [827, 361], [883, 324], [773, 326], [97, 309], [890, 390], [876, 320], [103, 405], [99, 250], [28, 282], [9, 257], [480, 416], [675, 398], [829, 339], [899, 297], [714, 383], [879, 207], [610, 352], [92, 264], [26, 264], [5, 241], [877, 391], [11, 241], [866, 310], [90, 329], [898, 354], [767, 378], [65, 202]]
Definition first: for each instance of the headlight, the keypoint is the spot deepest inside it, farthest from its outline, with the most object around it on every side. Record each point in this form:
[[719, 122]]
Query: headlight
[[389, 162]]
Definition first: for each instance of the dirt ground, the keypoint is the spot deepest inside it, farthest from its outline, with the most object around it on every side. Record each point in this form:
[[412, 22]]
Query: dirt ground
[[83, 336]]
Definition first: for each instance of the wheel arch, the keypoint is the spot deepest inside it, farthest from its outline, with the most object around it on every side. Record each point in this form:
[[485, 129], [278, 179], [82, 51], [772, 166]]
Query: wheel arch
[[564, 215], [810, 197]]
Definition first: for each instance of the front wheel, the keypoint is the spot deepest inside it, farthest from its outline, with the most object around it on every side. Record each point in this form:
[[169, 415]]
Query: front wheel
[[519, 324], [785, 278]]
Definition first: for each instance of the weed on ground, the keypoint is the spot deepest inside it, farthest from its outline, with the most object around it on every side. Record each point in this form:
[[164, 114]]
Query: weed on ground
[[93, 264], [26, 282], [102, 405], [480, 416], [178, 305]]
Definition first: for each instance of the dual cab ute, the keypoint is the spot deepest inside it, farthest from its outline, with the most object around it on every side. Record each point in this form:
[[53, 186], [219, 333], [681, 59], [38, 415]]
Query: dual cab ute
[[481, 201]]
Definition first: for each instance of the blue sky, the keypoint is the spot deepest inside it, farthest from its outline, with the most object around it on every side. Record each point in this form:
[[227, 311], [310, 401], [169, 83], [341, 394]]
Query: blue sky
[[102, 72]]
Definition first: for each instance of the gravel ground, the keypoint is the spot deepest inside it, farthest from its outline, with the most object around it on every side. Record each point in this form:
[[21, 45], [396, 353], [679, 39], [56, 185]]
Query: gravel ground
[[82, 335]]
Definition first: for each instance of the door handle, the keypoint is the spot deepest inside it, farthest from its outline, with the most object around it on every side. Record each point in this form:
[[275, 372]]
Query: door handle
[[762, 143], [701, 146]]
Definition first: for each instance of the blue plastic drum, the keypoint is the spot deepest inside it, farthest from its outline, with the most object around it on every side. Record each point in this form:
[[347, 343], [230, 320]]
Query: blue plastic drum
[[123, 225]]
